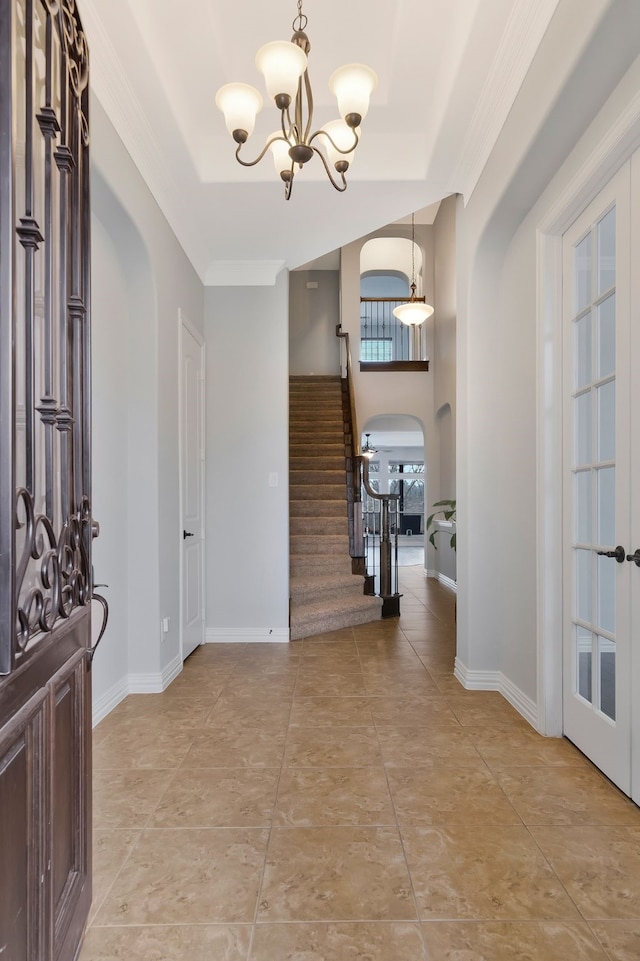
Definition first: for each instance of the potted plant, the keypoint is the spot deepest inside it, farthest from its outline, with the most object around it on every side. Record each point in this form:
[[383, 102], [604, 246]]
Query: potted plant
[[447, 512]]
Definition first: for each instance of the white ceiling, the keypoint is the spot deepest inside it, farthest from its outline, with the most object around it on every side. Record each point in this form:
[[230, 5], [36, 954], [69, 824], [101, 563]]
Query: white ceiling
[[448, 72]]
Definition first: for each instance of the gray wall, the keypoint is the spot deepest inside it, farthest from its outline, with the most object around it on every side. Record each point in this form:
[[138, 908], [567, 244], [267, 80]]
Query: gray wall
[[313, 315]]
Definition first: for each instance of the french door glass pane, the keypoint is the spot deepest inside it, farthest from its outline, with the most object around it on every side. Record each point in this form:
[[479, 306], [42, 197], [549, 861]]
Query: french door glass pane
[[606, 506], [607, 251], [606, 330], [584, 657], [582, 414], [607, 594], [583, 506], [607, 421], [582, 341], [583, 274], [607, 666], [583, 585]]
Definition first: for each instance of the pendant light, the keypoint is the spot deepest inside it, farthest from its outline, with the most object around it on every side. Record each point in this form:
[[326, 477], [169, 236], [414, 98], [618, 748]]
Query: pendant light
[[414, 311], [368, 451]]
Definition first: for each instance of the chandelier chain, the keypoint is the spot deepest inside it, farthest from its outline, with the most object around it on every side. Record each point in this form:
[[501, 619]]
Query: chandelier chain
[[300, 22]]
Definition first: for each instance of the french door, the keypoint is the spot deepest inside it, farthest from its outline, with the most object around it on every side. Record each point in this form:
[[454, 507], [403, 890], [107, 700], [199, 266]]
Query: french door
[[601, 622]]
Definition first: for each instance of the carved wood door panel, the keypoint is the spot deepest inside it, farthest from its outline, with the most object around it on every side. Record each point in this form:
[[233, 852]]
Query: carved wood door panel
[[46, 525]]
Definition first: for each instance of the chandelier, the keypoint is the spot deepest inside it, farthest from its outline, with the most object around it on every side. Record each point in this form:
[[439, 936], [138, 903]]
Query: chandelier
[[283, 64], [415, 311]]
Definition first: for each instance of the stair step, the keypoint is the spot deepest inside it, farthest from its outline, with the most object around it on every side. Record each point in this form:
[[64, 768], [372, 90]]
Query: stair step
[[315, 526], [317, 477], [320, 461], [319, 618], [317, 492], [319, 564], [318, 508], [310, 588], [319, 544]]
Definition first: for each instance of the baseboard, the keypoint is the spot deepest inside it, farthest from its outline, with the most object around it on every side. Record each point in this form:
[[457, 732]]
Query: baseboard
[[497, 681], [446, 581], [107, 701], [248, 635], [155, 683]]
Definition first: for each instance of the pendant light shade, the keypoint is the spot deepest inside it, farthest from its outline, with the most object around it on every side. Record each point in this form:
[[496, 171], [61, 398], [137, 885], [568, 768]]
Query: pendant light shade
[[352, 86], [240, 103], [413, 312], [281, 63]]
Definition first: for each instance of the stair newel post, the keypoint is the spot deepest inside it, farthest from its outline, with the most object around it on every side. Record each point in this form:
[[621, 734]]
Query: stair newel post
[[385, 550]]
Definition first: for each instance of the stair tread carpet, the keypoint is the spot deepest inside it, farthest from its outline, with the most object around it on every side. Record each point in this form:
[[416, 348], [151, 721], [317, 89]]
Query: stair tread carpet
[[325, 594]]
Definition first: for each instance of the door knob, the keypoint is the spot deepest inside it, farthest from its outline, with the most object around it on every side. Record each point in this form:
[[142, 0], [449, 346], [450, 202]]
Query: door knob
[[635, 557], [619, 554], [186, 534]]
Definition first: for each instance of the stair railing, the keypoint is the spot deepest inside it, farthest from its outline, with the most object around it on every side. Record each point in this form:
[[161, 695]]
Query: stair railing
[[362, 539]]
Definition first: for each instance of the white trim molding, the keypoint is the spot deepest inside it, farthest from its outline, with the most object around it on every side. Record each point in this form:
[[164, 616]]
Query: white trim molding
[[243, 273], [247, 635], [109, 700], [497, 681]]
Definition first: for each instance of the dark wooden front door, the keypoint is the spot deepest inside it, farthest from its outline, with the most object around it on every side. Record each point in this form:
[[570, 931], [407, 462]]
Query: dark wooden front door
[[46, 525]]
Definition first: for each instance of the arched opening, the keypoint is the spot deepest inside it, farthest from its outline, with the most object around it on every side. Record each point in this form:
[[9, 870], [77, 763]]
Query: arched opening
[[399, 467], [387, 267]]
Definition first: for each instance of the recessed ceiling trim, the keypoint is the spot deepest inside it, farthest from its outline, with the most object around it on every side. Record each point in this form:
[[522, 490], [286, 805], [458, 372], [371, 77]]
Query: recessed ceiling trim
[[523, 33], [243, 273]]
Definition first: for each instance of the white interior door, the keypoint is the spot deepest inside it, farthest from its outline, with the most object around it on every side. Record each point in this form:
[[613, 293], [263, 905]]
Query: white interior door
[[601, 451], [192, 603]]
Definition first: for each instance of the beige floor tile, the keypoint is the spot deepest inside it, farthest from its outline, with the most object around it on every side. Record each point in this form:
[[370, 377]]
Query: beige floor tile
[[510, 941], [232, 710], [421, 745], [438, 664], [512, 747], [621, 939], [396, 684], [188, 876], [126, 799], [263, 685], [240, 746], [198, 683], [379, 941], [486, 708], [223, 797], [332, 747], [339, 638], [330, 685], [111, 848], [180, 711], [599, 866], [448, 795], [336, 874], [219, 942], [142, 745], [428, 712], [446, 683], [328, 711], [570, 794], [333, 796], [495, 873]]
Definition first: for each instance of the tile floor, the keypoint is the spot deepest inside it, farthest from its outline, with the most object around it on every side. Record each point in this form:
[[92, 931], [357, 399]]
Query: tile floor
[[342, 798]]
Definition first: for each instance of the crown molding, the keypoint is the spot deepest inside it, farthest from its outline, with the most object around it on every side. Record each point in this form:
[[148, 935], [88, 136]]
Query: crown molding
[[243, 273], [523, 33]]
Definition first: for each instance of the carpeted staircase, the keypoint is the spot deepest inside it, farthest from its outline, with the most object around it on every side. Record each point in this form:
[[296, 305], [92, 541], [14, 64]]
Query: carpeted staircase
[[325, 595]]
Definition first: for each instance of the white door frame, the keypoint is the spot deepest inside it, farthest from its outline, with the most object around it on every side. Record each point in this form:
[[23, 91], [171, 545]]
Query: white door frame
[[184, 322], [612, 150]]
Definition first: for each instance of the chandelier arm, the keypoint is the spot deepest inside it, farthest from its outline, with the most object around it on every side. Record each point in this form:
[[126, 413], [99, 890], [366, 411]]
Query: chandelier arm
[[335, 146], [327, 168], [307, 87], [252, 163]]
